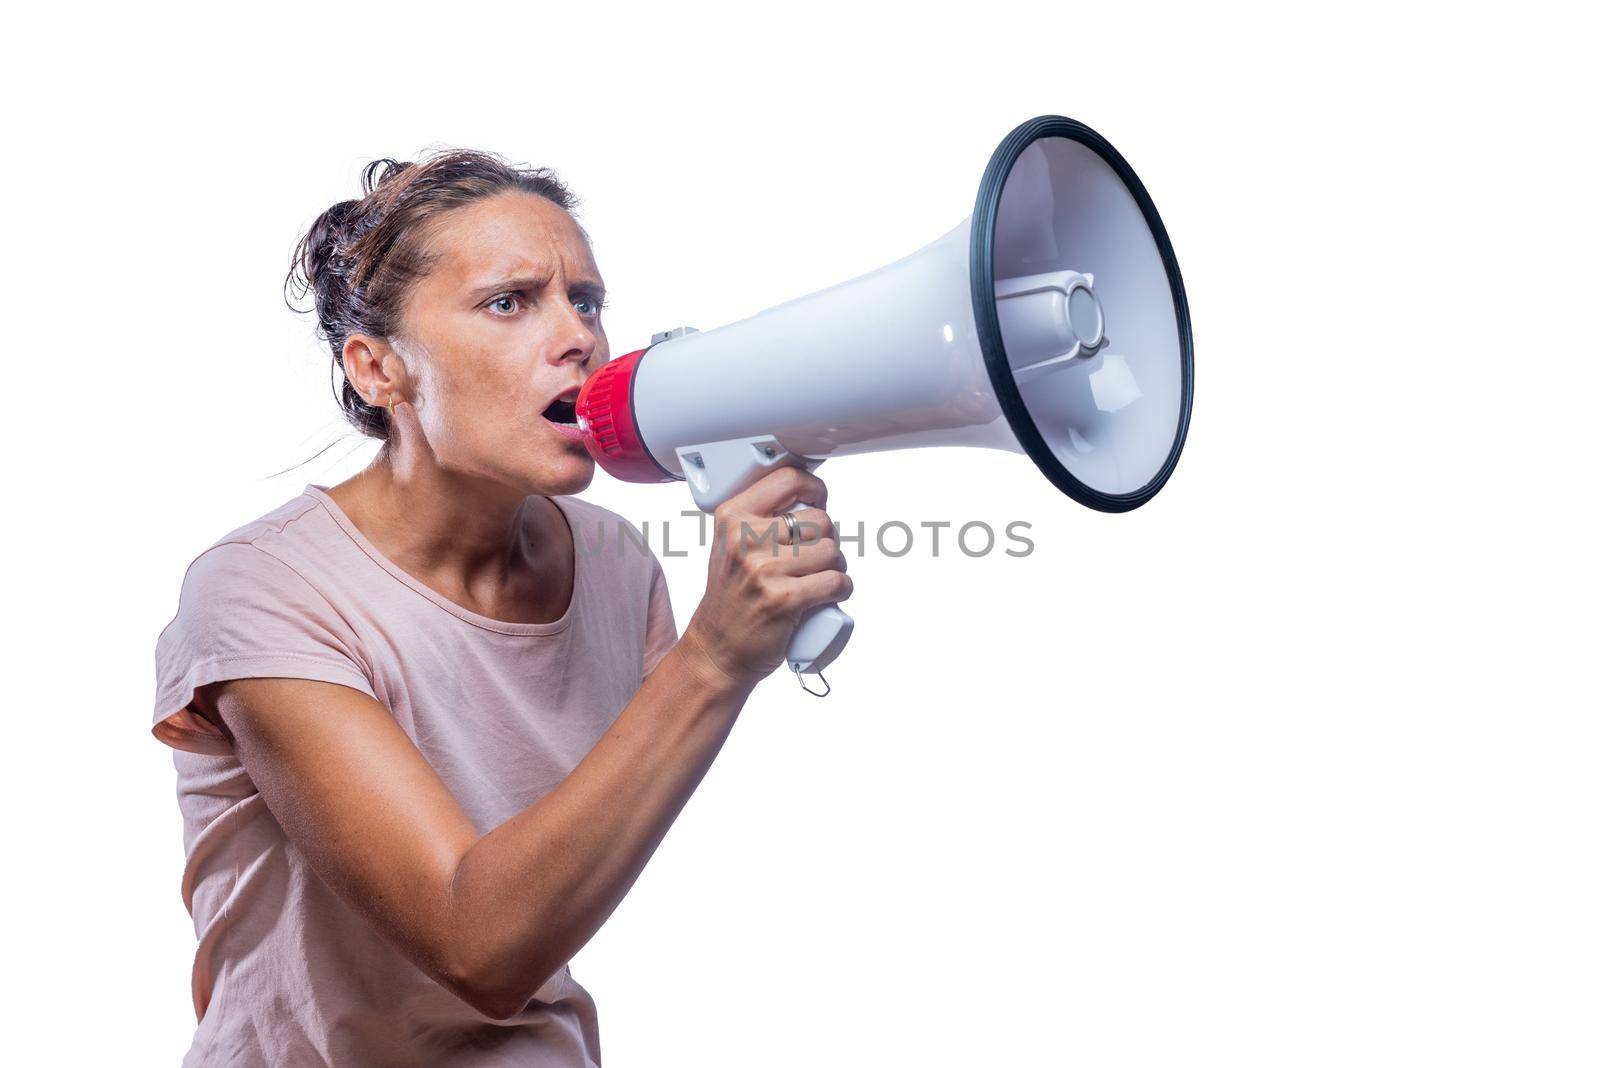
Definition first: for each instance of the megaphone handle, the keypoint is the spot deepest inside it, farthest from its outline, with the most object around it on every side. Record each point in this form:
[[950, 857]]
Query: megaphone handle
[[819, 637], [719, 470]]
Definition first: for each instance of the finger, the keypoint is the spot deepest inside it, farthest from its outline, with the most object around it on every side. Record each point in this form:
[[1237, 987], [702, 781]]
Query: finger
[[780, 490], [810, 524], [824, 587], [761, 535], [808, 559]]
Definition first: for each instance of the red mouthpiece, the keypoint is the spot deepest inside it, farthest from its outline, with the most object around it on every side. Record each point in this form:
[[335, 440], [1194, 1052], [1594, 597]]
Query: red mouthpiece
[[610, 432]]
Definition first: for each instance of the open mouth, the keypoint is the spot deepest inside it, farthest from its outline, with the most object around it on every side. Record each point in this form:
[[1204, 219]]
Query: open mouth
[[562, 415], [563, 411]]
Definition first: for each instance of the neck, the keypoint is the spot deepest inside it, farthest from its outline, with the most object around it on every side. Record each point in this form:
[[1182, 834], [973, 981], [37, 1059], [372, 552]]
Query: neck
[[460, 530]]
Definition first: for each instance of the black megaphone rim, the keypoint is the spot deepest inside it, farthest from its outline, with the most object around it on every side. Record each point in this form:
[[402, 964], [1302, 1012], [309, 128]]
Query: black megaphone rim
[[987, 315]]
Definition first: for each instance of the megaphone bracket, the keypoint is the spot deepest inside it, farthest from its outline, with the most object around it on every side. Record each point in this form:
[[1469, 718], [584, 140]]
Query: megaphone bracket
[[719, 470]]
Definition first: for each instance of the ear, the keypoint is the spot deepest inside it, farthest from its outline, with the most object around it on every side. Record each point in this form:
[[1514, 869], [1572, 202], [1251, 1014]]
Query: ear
[[375, 370]]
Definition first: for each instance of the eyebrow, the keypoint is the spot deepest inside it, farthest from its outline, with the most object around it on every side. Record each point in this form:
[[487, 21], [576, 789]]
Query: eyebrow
[[585, 287]]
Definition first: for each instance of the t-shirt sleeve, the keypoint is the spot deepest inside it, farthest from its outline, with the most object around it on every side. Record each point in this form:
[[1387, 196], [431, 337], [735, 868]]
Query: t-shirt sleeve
[[661, 631], [243, 614]]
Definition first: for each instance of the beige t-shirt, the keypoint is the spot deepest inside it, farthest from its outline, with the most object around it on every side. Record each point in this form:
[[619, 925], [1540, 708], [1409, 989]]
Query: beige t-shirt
[[285, 972]]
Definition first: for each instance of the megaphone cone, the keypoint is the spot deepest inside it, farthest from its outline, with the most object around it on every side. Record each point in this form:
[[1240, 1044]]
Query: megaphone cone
[[1052, 322]]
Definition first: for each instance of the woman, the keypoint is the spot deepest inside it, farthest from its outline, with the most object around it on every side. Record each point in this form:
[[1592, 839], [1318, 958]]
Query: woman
[[431, 722]]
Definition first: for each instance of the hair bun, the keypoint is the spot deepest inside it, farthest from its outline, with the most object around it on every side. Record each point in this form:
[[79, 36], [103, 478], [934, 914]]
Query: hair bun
[[380, 172], [312, 266]]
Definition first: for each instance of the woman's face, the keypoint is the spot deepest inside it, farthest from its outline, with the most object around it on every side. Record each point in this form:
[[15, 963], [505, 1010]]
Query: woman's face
[[504, 324]]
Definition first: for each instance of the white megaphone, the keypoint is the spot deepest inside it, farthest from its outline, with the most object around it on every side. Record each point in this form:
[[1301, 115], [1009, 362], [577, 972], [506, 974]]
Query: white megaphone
[[1052, 322]]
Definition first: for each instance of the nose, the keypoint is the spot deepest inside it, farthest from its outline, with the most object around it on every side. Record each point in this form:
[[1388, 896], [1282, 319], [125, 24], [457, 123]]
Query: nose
[[578, 339]]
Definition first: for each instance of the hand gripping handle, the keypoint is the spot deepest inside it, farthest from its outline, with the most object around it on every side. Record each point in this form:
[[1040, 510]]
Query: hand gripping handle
[[717, 471]]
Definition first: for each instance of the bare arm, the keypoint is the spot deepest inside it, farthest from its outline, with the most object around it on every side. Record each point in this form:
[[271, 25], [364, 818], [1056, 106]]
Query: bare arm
[[493, 917]]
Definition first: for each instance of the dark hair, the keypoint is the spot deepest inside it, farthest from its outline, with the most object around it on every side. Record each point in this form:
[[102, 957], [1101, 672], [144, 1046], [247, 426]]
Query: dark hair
[[360, 258]]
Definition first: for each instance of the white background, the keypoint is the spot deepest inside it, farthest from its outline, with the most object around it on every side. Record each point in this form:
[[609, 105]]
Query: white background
[[1296, 765]]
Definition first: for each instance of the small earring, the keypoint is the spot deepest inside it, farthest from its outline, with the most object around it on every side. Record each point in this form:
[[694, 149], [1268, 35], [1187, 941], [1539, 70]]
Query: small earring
[[391, 406]]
